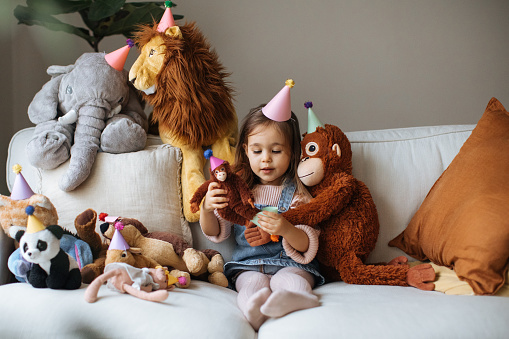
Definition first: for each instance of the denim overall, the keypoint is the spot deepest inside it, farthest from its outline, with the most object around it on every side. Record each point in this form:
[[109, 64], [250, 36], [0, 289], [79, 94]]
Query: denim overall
[[268, 258]]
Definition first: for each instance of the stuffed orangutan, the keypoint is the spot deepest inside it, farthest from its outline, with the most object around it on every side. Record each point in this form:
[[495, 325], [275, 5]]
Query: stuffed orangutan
[[240, 209], [344, 210]]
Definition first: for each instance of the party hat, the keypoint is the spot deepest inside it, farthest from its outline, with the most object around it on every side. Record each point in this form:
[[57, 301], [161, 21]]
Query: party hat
[[313, 121], [116, 59], [167, 19], [34, 225], [117, 241], [280, 108], [214, 162], [20, 189]]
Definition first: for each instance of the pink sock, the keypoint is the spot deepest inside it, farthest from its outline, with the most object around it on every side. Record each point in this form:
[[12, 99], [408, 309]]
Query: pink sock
[[253, 288], [292, 291]]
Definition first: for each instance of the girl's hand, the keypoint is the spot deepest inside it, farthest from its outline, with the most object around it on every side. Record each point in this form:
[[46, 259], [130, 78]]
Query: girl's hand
[[215, 199], [274, 223]]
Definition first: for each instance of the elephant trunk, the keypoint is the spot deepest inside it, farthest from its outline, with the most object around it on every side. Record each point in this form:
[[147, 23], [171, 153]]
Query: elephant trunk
[[87, 136]]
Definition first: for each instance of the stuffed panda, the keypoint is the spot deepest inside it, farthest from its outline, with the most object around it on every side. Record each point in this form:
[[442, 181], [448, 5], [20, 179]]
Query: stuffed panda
[[52, 267]]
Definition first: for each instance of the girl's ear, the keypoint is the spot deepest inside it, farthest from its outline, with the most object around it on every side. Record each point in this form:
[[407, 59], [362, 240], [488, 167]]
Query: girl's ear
[[244, 146]]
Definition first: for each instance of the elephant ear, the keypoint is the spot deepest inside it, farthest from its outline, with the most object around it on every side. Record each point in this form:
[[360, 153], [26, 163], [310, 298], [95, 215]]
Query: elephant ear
[[56, 70], [45, 102]]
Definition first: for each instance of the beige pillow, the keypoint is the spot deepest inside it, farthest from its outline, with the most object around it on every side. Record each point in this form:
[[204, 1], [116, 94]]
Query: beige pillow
[[144, 185], [463, 222]]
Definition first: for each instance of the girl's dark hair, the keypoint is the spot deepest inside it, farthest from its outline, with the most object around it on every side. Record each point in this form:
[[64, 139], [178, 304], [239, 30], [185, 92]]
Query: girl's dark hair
[[291, 131]]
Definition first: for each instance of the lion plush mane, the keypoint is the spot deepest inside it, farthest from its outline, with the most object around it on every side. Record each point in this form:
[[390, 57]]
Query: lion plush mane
[[192, 81]]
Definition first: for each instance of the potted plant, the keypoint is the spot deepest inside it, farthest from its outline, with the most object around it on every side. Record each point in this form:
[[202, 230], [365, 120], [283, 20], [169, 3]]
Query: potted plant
[[101, 17]]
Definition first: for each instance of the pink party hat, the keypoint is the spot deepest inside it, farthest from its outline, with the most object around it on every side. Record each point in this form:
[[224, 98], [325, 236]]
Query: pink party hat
[[214, 162], [167, 19], [117, 58], [20, 189], [280, 108], [117, 241]]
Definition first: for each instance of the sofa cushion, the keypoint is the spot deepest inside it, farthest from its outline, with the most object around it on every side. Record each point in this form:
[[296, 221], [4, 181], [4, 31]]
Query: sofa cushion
[[399, 166], [464, 221], [374, 311], [201, 311], [144, 185]]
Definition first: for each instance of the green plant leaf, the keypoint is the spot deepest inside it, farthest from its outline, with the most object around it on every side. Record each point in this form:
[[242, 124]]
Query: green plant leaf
[[30, 17], [101, 9], [101, 17], [54, 7], [129, 17]]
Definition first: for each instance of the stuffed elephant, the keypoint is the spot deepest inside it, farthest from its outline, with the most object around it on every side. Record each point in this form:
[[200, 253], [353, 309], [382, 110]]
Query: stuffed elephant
[[85, 108]]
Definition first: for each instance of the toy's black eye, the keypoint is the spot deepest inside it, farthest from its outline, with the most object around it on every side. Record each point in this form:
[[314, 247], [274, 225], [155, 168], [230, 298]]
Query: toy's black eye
[[124, 254], [152, 52], [68, 90], [25, 247], [121, 100], [42, 245], [312, 148]]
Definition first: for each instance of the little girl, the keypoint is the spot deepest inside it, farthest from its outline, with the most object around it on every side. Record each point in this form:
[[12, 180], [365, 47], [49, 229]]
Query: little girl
[[275, 278]]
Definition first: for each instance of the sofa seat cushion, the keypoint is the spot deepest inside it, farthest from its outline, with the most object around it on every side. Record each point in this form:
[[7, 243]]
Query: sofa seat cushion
[[361, 311], [201, 311]]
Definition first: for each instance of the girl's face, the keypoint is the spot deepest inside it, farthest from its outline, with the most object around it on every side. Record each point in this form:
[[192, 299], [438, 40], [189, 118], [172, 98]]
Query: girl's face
[[269, 154]]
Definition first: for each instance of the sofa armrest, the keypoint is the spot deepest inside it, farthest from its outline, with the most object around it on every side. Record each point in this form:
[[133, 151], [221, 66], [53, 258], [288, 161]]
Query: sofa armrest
[[6, 248]]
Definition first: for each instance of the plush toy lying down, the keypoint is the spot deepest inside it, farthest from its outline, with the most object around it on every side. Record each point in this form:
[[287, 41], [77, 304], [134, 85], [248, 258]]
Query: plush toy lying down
[[150, 284]]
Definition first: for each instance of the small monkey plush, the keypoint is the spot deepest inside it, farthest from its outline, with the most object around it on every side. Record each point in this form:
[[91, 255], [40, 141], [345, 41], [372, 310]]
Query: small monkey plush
[[240, 209]]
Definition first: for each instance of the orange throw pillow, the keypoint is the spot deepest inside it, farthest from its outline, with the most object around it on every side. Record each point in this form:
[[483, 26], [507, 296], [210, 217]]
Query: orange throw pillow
[[463, 222]]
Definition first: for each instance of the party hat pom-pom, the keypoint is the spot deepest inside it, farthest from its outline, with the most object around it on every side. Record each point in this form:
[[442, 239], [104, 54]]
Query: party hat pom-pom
[[16, 168], [102, 216], [182, 280], [29, 210], [290, 83], [168, 4], [207, 154], [308, 104], [119, 226], [130, 43]]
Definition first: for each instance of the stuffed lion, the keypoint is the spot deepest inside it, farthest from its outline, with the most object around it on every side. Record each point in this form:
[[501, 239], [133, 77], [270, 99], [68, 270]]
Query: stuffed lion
[[182, 78]]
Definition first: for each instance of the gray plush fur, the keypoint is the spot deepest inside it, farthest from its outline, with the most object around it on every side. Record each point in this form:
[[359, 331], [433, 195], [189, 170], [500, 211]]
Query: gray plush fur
[[85, 108]]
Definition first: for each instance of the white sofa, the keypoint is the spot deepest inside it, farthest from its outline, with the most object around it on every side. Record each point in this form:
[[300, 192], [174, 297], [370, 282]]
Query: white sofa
[[399, 166]]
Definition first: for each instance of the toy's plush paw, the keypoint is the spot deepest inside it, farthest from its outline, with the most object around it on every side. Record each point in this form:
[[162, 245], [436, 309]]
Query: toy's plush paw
[[85, 227], [193, 260], [183, 278], [189, 214], [49, 148], [219, 279], [255, 236], [89, 273], [195, 207], [421, 277], [216, 264], [401, 260], [122, 135]]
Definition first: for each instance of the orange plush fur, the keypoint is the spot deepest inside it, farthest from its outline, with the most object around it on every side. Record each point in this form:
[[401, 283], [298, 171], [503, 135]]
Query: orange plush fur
[[343, 208], [14, 218]]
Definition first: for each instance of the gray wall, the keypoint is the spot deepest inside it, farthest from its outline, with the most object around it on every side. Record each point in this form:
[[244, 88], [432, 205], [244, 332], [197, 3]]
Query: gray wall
[[365, 64]]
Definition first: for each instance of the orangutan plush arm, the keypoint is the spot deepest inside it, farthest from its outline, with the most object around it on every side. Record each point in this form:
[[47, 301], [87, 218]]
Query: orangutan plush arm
[[198, 196], [329, 201], [245, 193]]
